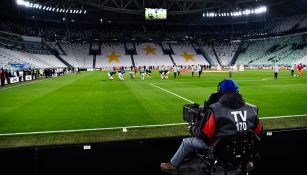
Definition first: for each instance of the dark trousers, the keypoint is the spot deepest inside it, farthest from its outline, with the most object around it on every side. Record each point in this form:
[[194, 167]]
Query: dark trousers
[[175, 74], [292, 72], [275, 75], [192, 74], [2, 82], [178, 73], [199, 73]]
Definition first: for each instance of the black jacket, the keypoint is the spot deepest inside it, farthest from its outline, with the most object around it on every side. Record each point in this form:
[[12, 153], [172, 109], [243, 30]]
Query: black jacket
[[227, 116]]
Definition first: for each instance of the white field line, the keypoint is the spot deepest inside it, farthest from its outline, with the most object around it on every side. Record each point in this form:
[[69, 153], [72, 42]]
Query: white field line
[[129, 127], [172, 93]]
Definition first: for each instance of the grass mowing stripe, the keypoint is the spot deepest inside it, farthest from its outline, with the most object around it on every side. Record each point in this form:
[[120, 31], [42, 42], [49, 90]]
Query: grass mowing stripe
[[22, 84], [172, 93], [237, 80], [130, 127]]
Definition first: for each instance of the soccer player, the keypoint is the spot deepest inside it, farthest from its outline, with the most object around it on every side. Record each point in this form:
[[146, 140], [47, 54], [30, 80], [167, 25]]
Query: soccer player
[[299, 69], [148, 71], [178, 70], [78, 70], [166, 72], [111, 73], [121, 74], [276, 70], [199, 70], [132, 73], [163, 72], [175, 70], [142, 72], [292, 69], [192, 69], [230, 71]]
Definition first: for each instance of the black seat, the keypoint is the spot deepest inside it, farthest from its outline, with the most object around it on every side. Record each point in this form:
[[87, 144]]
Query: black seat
[[232, 154], [235, 154]]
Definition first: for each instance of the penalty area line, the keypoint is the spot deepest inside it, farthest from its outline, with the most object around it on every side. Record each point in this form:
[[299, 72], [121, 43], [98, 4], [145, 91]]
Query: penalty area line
[[172, 93]]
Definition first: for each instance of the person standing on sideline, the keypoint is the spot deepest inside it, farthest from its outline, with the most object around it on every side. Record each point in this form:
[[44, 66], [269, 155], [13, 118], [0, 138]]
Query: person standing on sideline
[[199, 70], [299, 69], [230, 71], [276, 70], [2, 77], [175, 70], [178, 70], [193, 68], [292, 69]]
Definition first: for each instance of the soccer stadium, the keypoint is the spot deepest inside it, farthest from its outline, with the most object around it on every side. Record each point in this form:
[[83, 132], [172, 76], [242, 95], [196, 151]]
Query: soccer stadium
[[115, 86]]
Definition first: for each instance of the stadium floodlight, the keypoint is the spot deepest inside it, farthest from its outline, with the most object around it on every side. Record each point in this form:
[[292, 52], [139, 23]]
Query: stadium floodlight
[[20, 2], [238, 12], [28, 4]]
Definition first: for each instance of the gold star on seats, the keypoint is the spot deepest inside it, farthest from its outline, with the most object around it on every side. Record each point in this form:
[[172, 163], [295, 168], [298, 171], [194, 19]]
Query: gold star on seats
[[113, 57], [187, 56], [150, 50]]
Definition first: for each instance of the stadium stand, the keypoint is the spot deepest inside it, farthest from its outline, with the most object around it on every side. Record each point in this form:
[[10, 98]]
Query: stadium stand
[[266, 51], [184, 54], [77, 54], [208, 49], [113, 55], [226, 50], [33, 60], [150, 54]]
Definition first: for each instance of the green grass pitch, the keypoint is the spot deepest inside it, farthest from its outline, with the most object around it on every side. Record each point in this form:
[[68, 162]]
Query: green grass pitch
[[90, 100]]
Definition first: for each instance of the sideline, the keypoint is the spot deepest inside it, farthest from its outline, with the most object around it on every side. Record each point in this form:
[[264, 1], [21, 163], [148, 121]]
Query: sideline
[[130, 127]]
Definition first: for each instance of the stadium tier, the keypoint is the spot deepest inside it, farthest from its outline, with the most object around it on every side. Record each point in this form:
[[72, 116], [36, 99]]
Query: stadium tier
[[113, 55], [77, 54], [185, 54], [150, 54], [283, 50]]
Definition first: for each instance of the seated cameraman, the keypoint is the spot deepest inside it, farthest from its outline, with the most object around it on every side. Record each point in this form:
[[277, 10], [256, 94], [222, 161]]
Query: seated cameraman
[[225, 113]]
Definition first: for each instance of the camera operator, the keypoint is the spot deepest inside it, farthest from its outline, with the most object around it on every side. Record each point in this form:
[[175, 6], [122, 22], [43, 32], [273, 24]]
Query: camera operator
[[225, 113]]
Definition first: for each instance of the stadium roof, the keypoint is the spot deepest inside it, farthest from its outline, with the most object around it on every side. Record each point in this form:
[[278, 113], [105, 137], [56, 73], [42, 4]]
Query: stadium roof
[[132, 11]]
